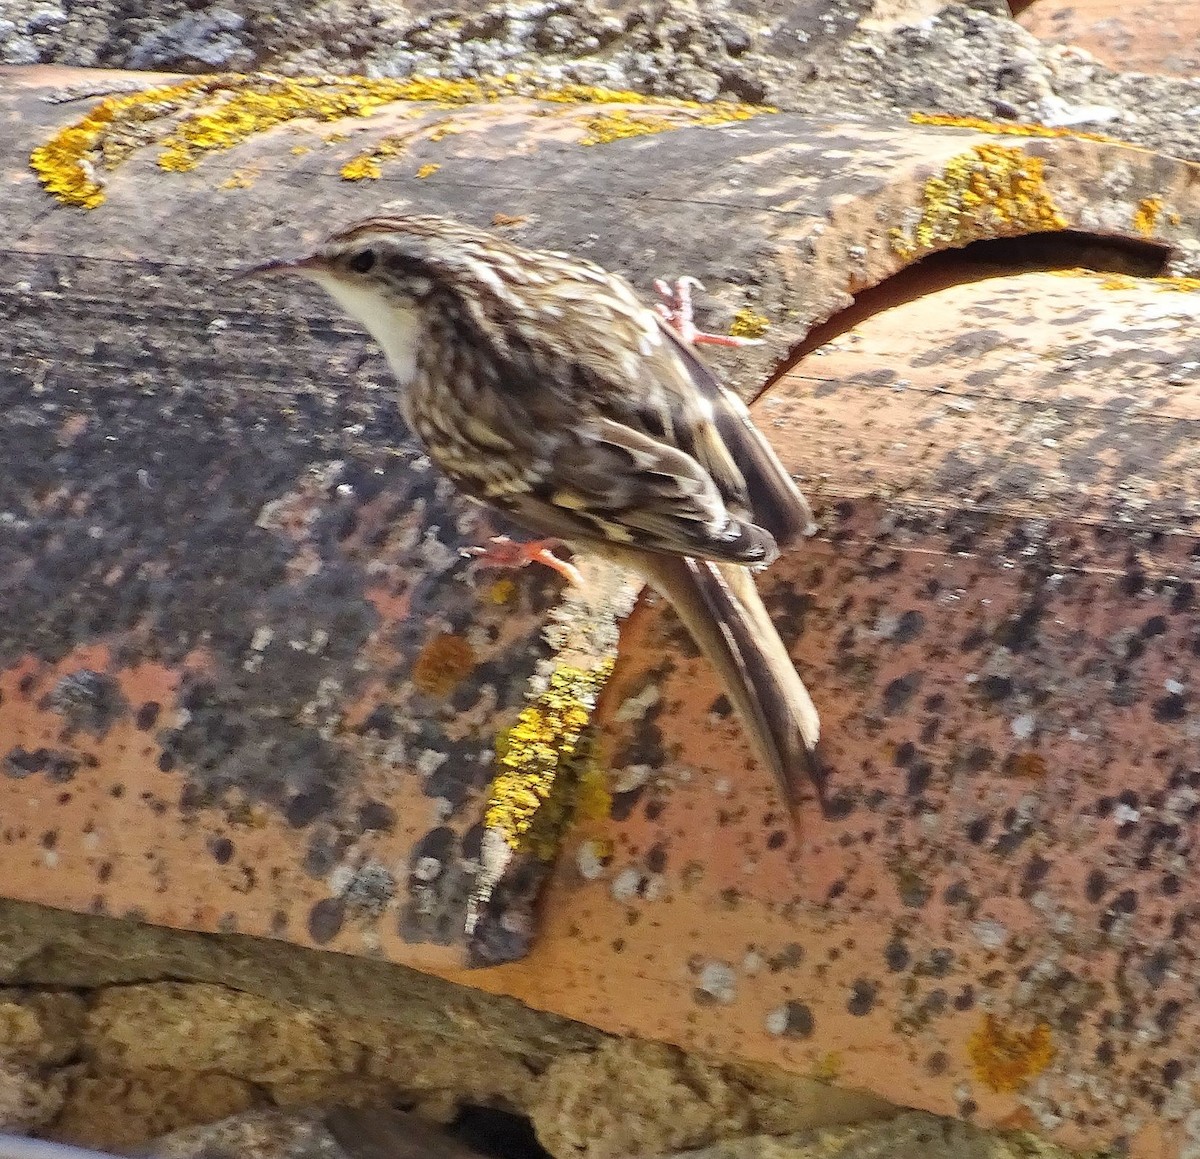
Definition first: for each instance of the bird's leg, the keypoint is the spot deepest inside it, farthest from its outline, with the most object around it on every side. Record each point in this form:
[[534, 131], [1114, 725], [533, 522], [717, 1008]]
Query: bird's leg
[[502, 552], [676, 311]]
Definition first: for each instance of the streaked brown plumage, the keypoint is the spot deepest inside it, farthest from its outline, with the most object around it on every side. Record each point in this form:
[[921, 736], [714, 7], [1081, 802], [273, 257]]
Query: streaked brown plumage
[[542, 386]]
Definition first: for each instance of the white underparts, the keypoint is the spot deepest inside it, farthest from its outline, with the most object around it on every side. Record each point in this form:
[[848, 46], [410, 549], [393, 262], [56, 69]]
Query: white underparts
[[396, 329]]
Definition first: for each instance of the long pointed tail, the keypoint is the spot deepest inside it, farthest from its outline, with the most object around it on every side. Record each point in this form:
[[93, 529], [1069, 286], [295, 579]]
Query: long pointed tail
[[722, 610]]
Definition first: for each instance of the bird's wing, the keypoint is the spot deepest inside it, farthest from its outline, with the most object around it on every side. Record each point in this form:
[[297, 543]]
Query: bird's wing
[[630, 438], [774, 498], [606, 481]]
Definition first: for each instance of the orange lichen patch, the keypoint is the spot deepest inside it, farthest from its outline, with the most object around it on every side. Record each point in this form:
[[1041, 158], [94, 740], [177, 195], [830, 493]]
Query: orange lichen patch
[[443, 664], [989, 191], [428, 170], [1003, 128], [1005, 1059], [1146, 215], [622, 124], [1031, 765]]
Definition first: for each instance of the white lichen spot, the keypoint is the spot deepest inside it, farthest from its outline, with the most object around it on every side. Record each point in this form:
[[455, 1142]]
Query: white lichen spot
[[434, 553], [777, 1021], [719, 980], [429, 761], [589, 860], [1022, 726], [630, 777], [426, 868], [990, 933], [886, 625], [1174, 687], [339, 879], [1125, 815], [626, 884], [634, 708], [753, 963]]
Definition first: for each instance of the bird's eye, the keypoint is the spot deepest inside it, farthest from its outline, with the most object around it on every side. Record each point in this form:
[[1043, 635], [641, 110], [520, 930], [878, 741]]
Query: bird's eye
[[362, 261]]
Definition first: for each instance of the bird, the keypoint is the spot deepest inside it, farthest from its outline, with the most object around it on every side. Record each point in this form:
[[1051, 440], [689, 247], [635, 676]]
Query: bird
[[542, 386]]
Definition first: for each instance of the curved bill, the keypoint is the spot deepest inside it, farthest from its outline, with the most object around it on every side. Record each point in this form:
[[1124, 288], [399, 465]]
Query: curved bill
[[279, 266]]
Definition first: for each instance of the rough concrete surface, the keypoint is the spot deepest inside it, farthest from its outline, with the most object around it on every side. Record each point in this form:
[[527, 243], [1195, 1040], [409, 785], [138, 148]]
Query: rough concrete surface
[[113, 1033]]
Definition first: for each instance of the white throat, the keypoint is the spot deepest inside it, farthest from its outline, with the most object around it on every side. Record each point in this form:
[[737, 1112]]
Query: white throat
[[395, 328]]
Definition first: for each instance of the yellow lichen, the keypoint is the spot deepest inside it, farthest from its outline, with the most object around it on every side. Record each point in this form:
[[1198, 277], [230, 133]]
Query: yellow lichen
[[238, 180], [1003, 128], [202, 114], [989, 191], [428, 170], [828, 1068], [362, 168], [1178, 285], [1174, 285], [69, 163], [256, 103], [620, 124], [369, 164], [1006, 1059], [443, 664], [748, 324], [502, 591], [544, 767], [1145, 217], [593, 797]]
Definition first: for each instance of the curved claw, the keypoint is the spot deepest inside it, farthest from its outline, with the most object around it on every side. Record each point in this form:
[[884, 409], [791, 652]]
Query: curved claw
[[503, 552], [676, 311]]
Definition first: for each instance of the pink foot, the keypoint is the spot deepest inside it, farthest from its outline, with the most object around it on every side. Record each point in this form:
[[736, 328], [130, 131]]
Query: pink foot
[[676, 311], [503, 552]]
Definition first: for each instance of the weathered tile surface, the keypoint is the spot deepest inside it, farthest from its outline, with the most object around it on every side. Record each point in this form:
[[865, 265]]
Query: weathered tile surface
[[248, 684]]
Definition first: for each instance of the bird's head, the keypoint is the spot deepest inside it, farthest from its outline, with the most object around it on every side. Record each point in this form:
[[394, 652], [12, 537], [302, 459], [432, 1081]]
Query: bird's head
[[375, 264], [384, 271]]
